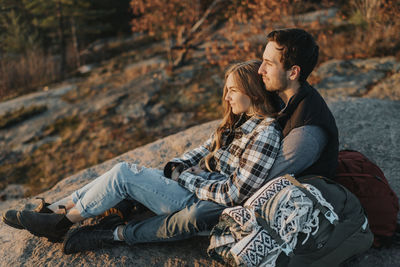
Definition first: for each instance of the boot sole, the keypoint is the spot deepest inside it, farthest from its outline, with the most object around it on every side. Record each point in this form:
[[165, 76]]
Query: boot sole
[[50, 239], [14, 225]]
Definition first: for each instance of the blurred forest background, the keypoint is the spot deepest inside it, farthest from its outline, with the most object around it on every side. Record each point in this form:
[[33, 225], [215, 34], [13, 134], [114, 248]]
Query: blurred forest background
[[46, 42]]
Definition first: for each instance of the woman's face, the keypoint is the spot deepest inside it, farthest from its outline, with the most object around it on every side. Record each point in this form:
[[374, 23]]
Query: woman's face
[[239, 102]]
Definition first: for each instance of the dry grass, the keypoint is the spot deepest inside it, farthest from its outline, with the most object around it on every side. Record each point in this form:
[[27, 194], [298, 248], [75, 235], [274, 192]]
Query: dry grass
[[81, 144], [84, 141], [370, 29], [23, 73], [364, 28]]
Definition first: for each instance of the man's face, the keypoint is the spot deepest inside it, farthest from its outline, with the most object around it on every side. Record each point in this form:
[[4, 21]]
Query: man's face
[[273, 74]]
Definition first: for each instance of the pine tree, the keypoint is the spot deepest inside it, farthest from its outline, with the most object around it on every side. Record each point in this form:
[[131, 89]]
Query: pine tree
[[17, 35], [52, 24]]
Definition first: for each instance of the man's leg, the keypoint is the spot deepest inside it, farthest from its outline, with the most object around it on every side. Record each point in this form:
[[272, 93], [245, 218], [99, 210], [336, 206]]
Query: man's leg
[[193, 219], [188, 222]]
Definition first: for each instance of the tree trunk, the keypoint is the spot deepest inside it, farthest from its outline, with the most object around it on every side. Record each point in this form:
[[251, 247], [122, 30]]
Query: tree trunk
[[75, 42], [61, 36]]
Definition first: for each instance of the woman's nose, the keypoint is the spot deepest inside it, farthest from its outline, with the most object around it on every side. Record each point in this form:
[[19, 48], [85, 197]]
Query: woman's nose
[[227, 96]]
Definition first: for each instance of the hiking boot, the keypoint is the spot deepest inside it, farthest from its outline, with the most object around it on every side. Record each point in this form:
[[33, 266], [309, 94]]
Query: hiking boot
[[53, 226], [10, 217], [92, 237], [125, 209]]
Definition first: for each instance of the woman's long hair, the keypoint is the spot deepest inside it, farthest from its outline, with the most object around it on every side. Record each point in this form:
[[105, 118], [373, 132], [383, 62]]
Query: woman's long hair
[[249, 82]]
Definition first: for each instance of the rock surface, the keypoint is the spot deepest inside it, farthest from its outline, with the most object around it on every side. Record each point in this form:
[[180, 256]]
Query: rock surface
[[371, 126], [342, 78], [132, 99]]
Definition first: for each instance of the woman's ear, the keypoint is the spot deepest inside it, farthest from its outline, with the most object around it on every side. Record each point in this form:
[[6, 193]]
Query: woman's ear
[[294, 73]]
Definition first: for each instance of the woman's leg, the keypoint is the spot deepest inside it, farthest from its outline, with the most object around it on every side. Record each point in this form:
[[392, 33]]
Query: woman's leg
[[123, 181], [147, 186], [66, 202], [69, 201]]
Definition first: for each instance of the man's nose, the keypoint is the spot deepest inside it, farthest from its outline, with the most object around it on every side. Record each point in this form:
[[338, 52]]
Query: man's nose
[[261, 69]]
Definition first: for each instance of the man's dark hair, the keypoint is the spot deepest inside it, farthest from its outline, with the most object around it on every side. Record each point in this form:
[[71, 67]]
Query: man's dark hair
[[298, 47]]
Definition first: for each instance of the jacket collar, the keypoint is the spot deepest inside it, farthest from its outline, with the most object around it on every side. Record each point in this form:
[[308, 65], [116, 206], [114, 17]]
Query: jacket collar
[[248, 123], [296, 98]]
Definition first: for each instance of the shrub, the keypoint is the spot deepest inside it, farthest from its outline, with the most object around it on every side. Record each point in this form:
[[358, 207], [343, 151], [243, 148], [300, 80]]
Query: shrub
[[362, 28]]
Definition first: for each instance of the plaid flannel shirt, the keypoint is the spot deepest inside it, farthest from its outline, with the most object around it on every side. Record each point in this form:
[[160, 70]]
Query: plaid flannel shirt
[[241, 167]]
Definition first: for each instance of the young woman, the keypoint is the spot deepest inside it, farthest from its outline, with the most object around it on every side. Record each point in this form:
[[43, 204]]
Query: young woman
[[227, 169]]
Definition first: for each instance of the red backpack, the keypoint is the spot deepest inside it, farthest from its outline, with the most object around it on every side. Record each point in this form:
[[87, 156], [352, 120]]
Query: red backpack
[[367, 181]]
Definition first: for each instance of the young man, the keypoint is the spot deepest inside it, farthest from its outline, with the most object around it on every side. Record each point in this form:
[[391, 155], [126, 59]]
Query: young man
[[288, 59]]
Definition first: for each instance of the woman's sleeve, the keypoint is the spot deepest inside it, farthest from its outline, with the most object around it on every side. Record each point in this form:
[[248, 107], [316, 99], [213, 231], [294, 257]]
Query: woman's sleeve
[[189, 159], [254, 165]]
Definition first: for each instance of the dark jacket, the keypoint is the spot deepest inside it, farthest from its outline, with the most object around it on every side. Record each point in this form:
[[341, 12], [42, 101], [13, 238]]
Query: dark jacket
[[307, 107]]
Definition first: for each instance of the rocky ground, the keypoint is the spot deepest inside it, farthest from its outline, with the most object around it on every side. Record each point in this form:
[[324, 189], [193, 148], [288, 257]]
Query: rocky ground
[[121, 104], [133, 99], [368, 125]]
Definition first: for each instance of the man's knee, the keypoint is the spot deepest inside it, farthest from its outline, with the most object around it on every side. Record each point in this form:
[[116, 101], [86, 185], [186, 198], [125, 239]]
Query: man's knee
[[204, 215]]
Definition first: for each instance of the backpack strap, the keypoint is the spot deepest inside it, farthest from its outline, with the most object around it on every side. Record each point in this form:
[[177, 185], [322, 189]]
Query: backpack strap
[[345, 174]]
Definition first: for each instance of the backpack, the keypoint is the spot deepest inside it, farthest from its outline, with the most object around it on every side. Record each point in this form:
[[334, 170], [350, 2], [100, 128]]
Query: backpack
[[247, 235], [367, 181]]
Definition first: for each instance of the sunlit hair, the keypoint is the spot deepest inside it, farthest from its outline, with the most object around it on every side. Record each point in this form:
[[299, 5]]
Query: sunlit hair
[[298, 47], [249, 82]]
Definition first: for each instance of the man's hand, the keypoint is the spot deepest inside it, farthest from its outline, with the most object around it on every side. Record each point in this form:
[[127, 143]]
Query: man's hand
[[176, 171], [195, 170]]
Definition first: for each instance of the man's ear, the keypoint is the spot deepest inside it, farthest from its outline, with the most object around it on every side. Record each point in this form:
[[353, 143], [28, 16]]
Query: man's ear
[[294, 73]]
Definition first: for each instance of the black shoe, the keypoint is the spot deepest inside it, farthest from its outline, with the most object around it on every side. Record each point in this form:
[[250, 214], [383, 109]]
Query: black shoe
[[10, 217], [92, 237], [53, 226]]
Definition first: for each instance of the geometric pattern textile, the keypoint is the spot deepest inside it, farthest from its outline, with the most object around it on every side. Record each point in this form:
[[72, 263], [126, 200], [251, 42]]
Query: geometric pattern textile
[[286, 209]]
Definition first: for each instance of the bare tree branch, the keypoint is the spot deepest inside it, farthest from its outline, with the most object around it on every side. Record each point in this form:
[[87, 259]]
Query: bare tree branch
[[210, 10]]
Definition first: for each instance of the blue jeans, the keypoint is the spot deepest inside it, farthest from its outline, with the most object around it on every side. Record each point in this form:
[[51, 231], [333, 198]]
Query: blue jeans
[[178, 209], [193, 219], [128, 181]]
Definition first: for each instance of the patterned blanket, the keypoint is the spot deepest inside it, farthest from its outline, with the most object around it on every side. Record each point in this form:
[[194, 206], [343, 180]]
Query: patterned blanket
[[286, 211]]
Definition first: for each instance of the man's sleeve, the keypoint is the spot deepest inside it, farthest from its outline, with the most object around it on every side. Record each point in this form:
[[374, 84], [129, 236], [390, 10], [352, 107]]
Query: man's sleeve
[[299, 150]]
